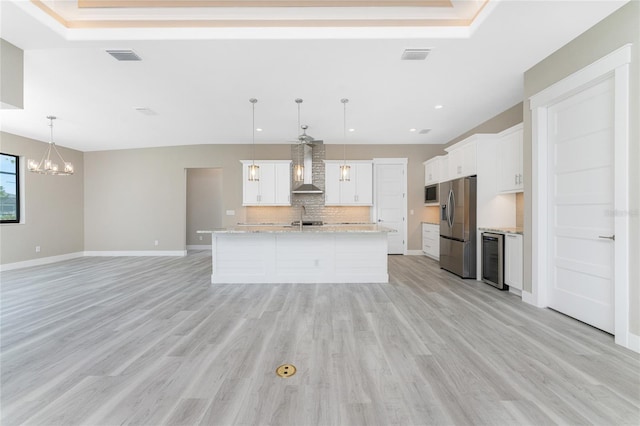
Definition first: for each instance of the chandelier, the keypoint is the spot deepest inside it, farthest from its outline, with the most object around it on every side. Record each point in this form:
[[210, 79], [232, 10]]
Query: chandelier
[[47, 166]]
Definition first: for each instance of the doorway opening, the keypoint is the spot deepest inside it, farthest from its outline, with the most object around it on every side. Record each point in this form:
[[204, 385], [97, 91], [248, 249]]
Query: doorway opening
[[204, 206]]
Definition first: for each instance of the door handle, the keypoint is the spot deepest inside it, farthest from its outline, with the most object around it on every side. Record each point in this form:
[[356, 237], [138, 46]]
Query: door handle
[[379, 220], [612, 237]]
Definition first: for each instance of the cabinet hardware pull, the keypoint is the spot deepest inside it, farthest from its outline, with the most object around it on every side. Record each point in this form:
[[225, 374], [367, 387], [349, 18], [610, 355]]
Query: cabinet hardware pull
[[612, 237]]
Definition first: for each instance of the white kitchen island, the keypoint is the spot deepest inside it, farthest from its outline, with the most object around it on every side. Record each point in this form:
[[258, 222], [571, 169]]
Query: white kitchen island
[[286, 254]]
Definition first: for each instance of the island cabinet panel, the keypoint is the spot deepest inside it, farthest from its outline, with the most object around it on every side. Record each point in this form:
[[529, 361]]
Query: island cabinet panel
[[299, 257]]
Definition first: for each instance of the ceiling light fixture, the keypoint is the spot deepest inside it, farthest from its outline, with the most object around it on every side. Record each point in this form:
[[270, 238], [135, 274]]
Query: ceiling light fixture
[[438, 106], [413, 130], [254, 170], [46, 166], [298, 168], [345, 170]]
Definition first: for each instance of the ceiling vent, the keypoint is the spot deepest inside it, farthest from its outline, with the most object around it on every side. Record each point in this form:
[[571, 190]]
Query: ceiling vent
[[424, 131], [415, 54], [124, 55], [145, 110]]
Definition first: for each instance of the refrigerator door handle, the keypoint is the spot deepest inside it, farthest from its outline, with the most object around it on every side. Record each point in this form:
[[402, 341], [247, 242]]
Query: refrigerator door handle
[[450, 208]]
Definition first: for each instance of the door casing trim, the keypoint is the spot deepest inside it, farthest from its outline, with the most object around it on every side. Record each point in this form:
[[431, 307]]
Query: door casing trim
[[614, 65]]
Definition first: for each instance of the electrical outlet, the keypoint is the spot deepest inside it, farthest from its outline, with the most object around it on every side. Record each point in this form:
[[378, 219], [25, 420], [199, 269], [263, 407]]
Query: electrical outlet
[[231, 212], [37, 249], [155, 243]]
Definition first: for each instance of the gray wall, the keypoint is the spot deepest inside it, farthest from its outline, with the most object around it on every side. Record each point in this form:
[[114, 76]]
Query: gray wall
[[11, 75], [500, 122], [204, 204], [620, 28], [134, 197], [53, 206]]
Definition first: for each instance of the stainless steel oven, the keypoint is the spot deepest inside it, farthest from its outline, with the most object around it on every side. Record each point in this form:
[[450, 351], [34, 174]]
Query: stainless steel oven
[[493, 260]]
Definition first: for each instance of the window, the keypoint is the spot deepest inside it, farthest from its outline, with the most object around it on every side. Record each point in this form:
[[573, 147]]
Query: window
[[9, 189]]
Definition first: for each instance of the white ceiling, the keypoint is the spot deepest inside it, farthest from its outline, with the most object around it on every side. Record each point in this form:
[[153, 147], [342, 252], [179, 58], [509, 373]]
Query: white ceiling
[[199, 81]]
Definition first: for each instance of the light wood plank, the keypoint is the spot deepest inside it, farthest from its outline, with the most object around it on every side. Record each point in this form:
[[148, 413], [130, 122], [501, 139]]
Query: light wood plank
[[106, 341]]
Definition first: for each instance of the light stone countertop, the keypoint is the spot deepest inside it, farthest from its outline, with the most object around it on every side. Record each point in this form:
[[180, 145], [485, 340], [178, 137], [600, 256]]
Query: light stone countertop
[[280, 228], [503, 230], [430, 223]]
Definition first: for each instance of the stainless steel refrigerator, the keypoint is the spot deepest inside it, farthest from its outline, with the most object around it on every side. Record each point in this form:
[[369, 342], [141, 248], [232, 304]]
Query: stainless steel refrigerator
[[458, 226]]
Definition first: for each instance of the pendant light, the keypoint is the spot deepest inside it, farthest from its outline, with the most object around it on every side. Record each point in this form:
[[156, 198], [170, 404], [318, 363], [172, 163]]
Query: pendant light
[[254, 171], [298, 169], [46, 166], [345, 169]]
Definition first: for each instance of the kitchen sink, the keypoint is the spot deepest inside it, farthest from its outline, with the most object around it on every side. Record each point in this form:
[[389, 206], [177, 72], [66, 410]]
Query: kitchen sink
[[308, 223]]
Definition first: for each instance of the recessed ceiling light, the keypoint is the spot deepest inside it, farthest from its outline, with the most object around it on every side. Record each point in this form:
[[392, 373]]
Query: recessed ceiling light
[[352, 130], [258, 129], [439, 106], [413, 130]]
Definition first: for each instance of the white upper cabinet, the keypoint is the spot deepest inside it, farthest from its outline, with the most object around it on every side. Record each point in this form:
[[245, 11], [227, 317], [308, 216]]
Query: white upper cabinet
[[510, 160], [273, 187], [462, 158], [358, 191], [432, 170]]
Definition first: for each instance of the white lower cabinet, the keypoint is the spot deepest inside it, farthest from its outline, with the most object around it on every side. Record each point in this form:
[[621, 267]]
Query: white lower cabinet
[[513, 260], [431, 240]]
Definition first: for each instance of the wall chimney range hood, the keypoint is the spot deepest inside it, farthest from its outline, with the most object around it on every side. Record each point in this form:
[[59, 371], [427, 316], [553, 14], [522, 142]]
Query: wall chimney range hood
[[307, 186]]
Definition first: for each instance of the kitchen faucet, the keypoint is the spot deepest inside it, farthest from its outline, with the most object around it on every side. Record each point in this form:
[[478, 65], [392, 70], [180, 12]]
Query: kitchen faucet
[[303, 211]]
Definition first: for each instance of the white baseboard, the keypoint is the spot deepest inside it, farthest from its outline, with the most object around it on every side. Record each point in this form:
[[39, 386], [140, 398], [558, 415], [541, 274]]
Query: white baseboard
[[41, 261], [199, 247], [136, 253], [415, 253], [633, 342]]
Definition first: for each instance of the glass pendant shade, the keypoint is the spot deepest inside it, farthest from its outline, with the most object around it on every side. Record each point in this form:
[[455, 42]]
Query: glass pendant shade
[[345, 173], [254, 173], [46, 166], [298, 173]]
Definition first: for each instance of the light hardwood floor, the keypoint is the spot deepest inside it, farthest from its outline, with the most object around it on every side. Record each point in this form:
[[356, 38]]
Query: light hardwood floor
[[106, 341]]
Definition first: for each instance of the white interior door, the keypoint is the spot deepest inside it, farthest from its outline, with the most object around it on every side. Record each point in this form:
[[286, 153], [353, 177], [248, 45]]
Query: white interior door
[[390, 202], [581, 189]]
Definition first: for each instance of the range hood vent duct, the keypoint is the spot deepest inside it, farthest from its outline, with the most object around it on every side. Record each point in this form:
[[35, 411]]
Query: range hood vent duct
[[307, 186]]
